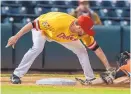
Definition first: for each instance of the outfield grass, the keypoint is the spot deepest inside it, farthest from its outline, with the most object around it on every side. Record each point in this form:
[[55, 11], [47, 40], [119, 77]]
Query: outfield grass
[[19, 89]]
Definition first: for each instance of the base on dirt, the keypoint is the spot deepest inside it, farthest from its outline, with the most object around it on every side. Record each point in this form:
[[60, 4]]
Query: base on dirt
[[55, 81]]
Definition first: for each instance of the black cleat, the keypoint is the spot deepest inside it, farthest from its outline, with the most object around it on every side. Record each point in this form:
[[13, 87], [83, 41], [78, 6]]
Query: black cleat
[[15, 79], [85, 82]]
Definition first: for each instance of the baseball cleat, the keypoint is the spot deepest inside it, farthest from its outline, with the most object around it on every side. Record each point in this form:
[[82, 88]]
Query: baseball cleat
[[15, 79], [80, 81], [85, 82]]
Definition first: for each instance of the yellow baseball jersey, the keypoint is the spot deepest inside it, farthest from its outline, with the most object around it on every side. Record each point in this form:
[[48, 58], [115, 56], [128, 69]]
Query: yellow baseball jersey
[[56, 26]]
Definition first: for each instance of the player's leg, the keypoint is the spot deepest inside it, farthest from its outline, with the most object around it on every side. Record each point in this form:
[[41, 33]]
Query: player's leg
[[79, 49], [120, 80], [29, 57]]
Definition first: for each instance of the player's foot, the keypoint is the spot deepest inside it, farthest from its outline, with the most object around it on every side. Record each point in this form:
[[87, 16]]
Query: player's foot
[[85, 82], [15, 79]]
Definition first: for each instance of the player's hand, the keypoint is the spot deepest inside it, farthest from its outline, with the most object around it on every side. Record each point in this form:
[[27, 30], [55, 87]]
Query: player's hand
[[112, 71], [12, 41]]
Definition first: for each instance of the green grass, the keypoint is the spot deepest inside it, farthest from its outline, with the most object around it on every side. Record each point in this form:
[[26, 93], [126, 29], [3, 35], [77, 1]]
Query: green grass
[[20, 89]]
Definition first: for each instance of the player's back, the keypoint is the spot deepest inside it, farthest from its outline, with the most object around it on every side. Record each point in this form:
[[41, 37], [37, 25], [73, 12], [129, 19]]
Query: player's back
[[51, 15], [56, 16], [56, 20], [126, 67], [53, 24]]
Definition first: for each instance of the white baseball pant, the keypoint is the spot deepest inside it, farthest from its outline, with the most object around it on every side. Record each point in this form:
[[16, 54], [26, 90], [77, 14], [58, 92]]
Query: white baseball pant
[[38, 44]]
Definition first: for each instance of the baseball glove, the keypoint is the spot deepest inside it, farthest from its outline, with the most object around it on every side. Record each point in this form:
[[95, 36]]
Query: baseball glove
[[108, 76]]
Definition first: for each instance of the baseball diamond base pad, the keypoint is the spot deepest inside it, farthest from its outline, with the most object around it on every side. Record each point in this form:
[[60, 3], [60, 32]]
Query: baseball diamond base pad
[[55, 81]]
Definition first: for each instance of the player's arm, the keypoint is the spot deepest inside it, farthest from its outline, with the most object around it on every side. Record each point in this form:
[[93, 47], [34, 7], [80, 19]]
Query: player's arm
[[92, 45], [99, 52], [27, 28], [24, 30], [12, 41]]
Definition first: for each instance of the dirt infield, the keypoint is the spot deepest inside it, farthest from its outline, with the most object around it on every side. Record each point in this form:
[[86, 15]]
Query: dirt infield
[[30, 80]]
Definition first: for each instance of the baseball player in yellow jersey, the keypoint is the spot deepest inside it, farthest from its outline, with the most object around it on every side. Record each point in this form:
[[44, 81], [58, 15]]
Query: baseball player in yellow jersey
[[65, 30]]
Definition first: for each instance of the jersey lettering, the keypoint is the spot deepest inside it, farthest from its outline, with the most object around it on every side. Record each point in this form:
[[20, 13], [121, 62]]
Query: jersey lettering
[[63, 36]]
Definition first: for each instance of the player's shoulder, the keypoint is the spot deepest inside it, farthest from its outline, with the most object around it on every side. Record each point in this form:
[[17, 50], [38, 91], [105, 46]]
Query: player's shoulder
[[54, 15]]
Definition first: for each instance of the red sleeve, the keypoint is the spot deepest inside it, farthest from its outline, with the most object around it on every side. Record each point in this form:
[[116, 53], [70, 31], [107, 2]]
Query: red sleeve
[[94, 46], [91, 46], [36, 25]]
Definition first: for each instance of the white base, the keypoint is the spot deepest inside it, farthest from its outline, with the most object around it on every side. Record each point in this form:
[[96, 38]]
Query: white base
[[55, 81]]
